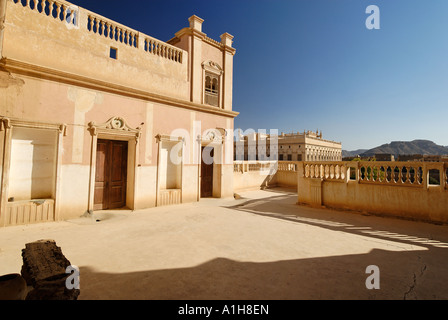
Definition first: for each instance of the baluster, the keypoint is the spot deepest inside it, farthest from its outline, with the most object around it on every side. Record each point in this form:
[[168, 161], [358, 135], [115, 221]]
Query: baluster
[[121, 35], [58, 10], [44, 4], [102, 28], [64, 13], [97, 26], [50, 7], [408, 175], [127, 37], [92, 24], [107, 30], [28, 4], [113, 32], [94, 27]]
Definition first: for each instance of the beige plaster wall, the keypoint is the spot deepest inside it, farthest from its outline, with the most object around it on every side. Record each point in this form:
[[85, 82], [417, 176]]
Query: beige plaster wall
[[33, 164], [145, 195], [212, 53], [253, 180], [35, 38], [423, 202], [190, 186], [73, 191]]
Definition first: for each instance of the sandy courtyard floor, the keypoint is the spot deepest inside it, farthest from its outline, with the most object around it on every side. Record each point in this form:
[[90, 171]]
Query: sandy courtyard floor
[[262, 246]]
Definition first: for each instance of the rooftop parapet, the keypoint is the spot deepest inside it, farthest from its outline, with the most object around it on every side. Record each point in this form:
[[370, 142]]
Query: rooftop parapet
[[59, 35]]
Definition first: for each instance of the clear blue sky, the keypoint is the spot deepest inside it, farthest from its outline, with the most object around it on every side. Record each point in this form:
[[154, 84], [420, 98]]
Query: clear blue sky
[[313, 64]]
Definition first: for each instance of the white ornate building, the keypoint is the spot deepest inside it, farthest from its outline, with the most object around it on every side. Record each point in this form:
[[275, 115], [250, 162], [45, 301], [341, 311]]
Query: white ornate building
[[306, 146]]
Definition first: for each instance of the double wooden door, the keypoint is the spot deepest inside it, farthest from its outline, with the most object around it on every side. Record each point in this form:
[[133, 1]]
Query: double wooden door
[[111, 174]]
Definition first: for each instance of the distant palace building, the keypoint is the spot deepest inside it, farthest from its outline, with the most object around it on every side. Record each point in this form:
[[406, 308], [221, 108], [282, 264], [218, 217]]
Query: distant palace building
[[306, 146]]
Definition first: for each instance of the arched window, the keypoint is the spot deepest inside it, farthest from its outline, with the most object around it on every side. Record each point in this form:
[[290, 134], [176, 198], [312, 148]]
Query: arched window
[[208, 84], [212, 73], [215, 86]]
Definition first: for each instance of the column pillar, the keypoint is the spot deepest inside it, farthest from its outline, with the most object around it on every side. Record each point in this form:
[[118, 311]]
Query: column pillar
[[228, 53], [196, 58]]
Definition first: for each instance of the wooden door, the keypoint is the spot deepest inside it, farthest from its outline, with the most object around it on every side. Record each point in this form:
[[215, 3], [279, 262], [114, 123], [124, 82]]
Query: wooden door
[[111, 174], [206, 174]]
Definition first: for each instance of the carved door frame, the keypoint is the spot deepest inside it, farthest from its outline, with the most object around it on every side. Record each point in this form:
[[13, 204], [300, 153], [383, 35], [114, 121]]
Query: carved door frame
[[115, 128]]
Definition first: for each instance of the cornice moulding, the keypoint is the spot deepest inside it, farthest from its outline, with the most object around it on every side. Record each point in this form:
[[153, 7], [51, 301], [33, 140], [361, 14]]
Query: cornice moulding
[[30, 70]]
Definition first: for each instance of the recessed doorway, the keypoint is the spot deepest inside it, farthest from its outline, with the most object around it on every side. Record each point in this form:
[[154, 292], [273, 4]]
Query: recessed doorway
[[207, 172], [110, 174]]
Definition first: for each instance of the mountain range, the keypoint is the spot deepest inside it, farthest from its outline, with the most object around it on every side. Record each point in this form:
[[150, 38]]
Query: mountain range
[[423, 147]]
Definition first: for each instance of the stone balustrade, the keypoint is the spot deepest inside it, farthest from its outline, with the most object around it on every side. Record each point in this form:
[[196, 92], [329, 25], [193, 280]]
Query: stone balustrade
[[162, 49], [289, 166], [254, 166], [59, 9], [391, 173], [412, 190], [327, 170], [95, 24], [112, 30]]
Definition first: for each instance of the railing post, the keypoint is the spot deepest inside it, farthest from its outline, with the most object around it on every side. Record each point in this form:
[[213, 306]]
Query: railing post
[[83, 20]]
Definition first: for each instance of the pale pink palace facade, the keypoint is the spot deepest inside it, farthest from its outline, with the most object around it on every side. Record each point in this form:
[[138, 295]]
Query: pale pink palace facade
[[95, 115]]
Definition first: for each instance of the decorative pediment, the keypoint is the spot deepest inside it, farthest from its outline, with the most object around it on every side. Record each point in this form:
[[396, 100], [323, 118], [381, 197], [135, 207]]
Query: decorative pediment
[[212, 135], [212, 66], [115, 125]]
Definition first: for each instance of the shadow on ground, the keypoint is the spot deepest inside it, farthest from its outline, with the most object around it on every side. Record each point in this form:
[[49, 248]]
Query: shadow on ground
[[403, 275], [284, 207], [413, 274]]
